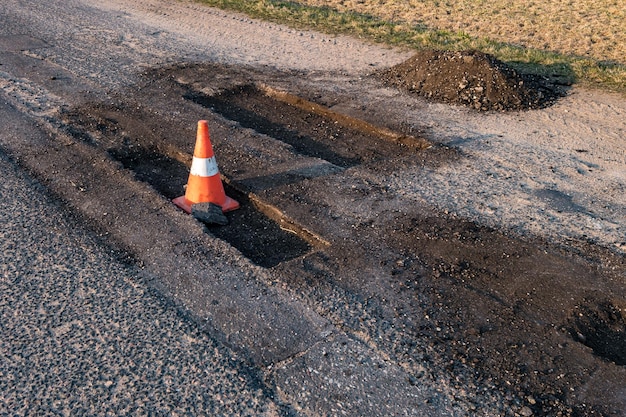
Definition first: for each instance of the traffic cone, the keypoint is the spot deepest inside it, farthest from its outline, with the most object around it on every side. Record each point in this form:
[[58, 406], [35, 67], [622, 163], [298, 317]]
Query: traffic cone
[[204, 184]]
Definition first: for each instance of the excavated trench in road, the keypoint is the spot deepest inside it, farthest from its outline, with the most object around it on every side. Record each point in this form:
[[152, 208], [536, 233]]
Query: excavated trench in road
[[258, 229], [495, 311]]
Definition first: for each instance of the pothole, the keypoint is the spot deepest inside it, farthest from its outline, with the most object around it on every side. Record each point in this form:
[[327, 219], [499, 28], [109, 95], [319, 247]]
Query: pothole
[[165, 174], [323, 143], [602, 328], [259, 231], [311, 129], [263, 234]]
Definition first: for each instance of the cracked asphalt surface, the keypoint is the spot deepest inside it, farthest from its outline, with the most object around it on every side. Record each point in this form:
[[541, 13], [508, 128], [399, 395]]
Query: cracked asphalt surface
[[408, 298], [83, 335]]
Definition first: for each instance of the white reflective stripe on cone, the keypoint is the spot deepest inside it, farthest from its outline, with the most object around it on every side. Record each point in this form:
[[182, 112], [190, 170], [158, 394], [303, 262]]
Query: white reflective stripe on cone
[[204, 167]]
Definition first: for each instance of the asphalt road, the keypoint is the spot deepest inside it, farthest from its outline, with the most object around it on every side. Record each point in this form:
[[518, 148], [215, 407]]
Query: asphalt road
[[173, 329], [81, 334], [87, 331], [114, 302]]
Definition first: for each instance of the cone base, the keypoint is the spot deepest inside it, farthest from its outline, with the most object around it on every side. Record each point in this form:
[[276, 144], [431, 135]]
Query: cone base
[[184, 204]]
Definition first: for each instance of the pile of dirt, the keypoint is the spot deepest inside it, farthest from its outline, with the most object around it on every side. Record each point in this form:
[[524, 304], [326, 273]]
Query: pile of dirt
[[472, 79]]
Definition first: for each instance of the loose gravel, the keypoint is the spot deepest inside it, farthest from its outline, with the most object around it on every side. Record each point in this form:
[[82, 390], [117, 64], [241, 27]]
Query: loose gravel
[[81, 335]]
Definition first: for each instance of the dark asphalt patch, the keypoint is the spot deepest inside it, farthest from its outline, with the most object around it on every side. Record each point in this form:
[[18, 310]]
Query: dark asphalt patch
[[263, 240], [16, 43]]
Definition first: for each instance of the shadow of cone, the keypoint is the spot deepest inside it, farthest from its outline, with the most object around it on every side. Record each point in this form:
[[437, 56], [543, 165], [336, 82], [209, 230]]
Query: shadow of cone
[[204, 184]]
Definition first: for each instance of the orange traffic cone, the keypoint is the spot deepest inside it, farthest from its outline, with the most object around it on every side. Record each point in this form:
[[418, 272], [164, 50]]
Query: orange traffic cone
[[204, 184]]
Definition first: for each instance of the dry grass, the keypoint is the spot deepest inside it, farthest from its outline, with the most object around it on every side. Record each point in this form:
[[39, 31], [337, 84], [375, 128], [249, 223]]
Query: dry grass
[[578, 41], [588, 28]]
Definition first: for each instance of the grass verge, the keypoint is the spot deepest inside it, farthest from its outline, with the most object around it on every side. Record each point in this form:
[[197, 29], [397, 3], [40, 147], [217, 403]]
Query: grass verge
[[606, 75]]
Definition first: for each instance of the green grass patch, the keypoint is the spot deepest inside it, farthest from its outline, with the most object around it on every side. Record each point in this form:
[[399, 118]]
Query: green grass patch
[[569, 68]]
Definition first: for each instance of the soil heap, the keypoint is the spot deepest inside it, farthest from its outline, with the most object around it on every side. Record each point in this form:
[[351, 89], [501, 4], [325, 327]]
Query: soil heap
[[470, 78]]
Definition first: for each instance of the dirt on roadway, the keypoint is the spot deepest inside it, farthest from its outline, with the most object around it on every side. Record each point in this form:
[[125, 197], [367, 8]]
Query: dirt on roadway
[[473, 79], [539, 326], [480, 252]]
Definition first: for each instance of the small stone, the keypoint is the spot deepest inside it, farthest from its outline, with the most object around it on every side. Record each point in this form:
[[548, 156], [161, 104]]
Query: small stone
[[526, 411], [209, 213]]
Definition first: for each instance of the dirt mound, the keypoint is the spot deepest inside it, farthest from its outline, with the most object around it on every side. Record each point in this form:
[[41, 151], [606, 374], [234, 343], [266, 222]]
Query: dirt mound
[[472, 79]]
